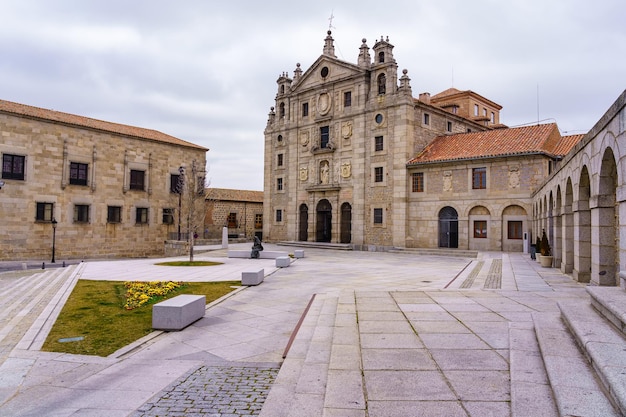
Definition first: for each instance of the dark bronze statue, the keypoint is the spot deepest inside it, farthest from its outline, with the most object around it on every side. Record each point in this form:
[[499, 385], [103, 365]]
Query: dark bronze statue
[[256, 248]]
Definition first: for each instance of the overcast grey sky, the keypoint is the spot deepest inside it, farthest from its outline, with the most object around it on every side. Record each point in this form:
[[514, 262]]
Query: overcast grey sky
[[205, 71]]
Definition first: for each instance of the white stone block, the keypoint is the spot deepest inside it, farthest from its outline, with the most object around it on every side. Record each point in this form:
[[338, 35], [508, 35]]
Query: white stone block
[[283, 261], [299, 253], [178, 312], [252, 277]]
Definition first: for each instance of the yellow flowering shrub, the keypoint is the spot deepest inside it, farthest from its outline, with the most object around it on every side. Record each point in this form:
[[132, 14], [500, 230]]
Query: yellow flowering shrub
[[139, 293]]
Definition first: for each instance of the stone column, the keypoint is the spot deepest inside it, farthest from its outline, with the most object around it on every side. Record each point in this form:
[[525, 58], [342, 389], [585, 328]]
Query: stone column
[[567, 246], [603, 256], [582, 241]]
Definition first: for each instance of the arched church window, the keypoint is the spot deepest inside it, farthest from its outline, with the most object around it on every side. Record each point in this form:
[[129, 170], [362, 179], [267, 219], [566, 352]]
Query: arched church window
[[381, 57], [282, 89], [281, 110], [382, 81]]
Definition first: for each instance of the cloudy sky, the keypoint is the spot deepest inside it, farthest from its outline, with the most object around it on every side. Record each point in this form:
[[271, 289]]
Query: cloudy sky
[[205, 70]]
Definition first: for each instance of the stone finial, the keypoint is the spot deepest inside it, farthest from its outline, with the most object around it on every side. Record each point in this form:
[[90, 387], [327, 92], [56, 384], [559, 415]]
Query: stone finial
[[405, 84], [297, 73], [329, 47], [365, 60]]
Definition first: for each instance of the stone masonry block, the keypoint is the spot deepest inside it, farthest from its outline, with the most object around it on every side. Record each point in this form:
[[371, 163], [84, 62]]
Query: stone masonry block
[[178, 312]]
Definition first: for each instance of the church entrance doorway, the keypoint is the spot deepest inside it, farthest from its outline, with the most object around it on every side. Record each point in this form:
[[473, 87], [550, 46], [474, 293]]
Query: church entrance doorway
[[448, 228], [324, 221]]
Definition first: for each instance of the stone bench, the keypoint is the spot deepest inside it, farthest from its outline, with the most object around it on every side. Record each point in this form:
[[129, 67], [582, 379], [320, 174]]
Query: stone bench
[[252, 277], [299, 253], [264, 254], [178, 312], [283, 261]]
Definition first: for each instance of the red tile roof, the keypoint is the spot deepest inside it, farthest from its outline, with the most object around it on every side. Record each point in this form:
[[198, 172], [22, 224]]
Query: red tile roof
[[89, 123], [543, 139], [566, 144], [226, 194]]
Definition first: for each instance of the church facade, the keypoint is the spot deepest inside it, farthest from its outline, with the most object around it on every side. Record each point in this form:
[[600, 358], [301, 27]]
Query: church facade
[[351, 156]]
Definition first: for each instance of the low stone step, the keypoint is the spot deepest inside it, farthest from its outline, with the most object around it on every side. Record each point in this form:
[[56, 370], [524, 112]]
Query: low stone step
[[576, 389], [531, 394], [603, 345], [457, 253], [317, 245], [611, 303]]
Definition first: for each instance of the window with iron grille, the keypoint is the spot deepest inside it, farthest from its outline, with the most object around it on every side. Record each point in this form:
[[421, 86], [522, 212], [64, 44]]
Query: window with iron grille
[[324, 136], [279, 184], [168, 216], [258, 221], [305, 109], [480, 229], [137, 179], [78, 173], [114, 214], [426, 118], [81, 213], [279, 161], [141, 215], [279, 215], [232, 220], [378, 216], [514, 229], [347, 99], [378, 174], [176, 183], [417, 182], [44, 212], [378, 143], [13, 166], [479, 178]]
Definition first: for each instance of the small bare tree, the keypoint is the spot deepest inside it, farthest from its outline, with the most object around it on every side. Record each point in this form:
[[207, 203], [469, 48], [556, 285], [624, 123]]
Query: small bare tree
[[191, 194]]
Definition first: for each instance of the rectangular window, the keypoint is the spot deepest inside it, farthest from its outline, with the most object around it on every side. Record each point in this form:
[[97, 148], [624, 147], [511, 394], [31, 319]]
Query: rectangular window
[[137, 179], [200, 185], [378, 143], [168, 216], [305, 109], [479, 178], [378, 216], [347, 99], [44, 212], [418, 182], [114, 214], [493, 117], [378, 174], [484, 112], [279, 184], [13, 167], [141, 215], [324, 136], [258, 221], [480, 229], [514, 230], [81, 213], [475, 109], [279, 160], [175, 186], [279, 215], [232, 220], [426, 118], [449, 127], [78, 173]]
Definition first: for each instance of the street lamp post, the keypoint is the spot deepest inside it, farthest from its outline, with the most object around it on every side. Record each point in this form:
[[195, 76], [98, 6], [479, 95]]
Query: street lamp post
[[179, 187], [54, 237]]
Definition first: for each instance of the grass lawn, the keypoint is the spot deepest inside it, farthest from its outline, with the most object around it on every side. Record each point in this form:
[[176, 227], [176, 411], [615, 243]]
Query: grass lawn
[[95, 311]]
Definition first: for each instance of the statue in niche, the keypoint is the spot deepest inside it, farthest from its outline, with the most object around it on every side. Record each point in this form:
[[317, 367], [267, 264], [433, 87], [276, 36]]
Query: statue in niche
[[324, 173]]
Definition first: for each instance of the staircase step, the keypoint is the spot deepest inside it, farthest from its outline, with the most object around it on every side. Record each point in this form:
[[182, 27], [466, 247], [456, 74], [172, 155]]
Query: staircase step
[[611, 303], [457, 253], [531, 394], [317, 245], [603, 345], [576, 389]]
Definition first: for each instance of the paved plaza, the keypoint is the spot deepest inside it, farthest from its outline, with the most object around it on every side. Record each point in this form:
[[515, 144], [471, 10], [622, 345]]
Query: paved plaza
[[379, 335]]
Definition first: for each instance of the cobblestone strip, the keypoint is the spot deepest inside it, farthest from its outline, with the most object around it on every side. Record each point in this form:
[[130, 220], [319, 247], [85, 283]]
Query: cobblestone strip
[[494, 277], [469, 281], [214, 391]]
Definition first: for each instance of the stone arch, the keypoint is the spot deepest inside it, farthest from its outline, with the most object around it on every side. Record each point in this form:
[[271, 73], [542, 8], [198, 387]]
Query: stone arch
[[382, 83], [582, 229], [514, 226], [605, 216], [448, 227], [567, 259], [479, 226]]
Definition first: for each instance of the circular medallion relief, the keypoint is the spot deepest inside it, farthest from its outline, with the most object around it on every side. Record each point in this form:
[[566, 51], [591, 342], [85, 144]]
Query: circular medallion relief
[[323, 103], [324, 72]]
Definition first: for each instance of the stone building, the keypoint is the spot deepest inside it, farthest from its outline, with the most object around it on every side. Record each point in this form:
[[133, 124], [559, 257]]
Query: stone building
[[109, 190], [241, 211], [346, 144]]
